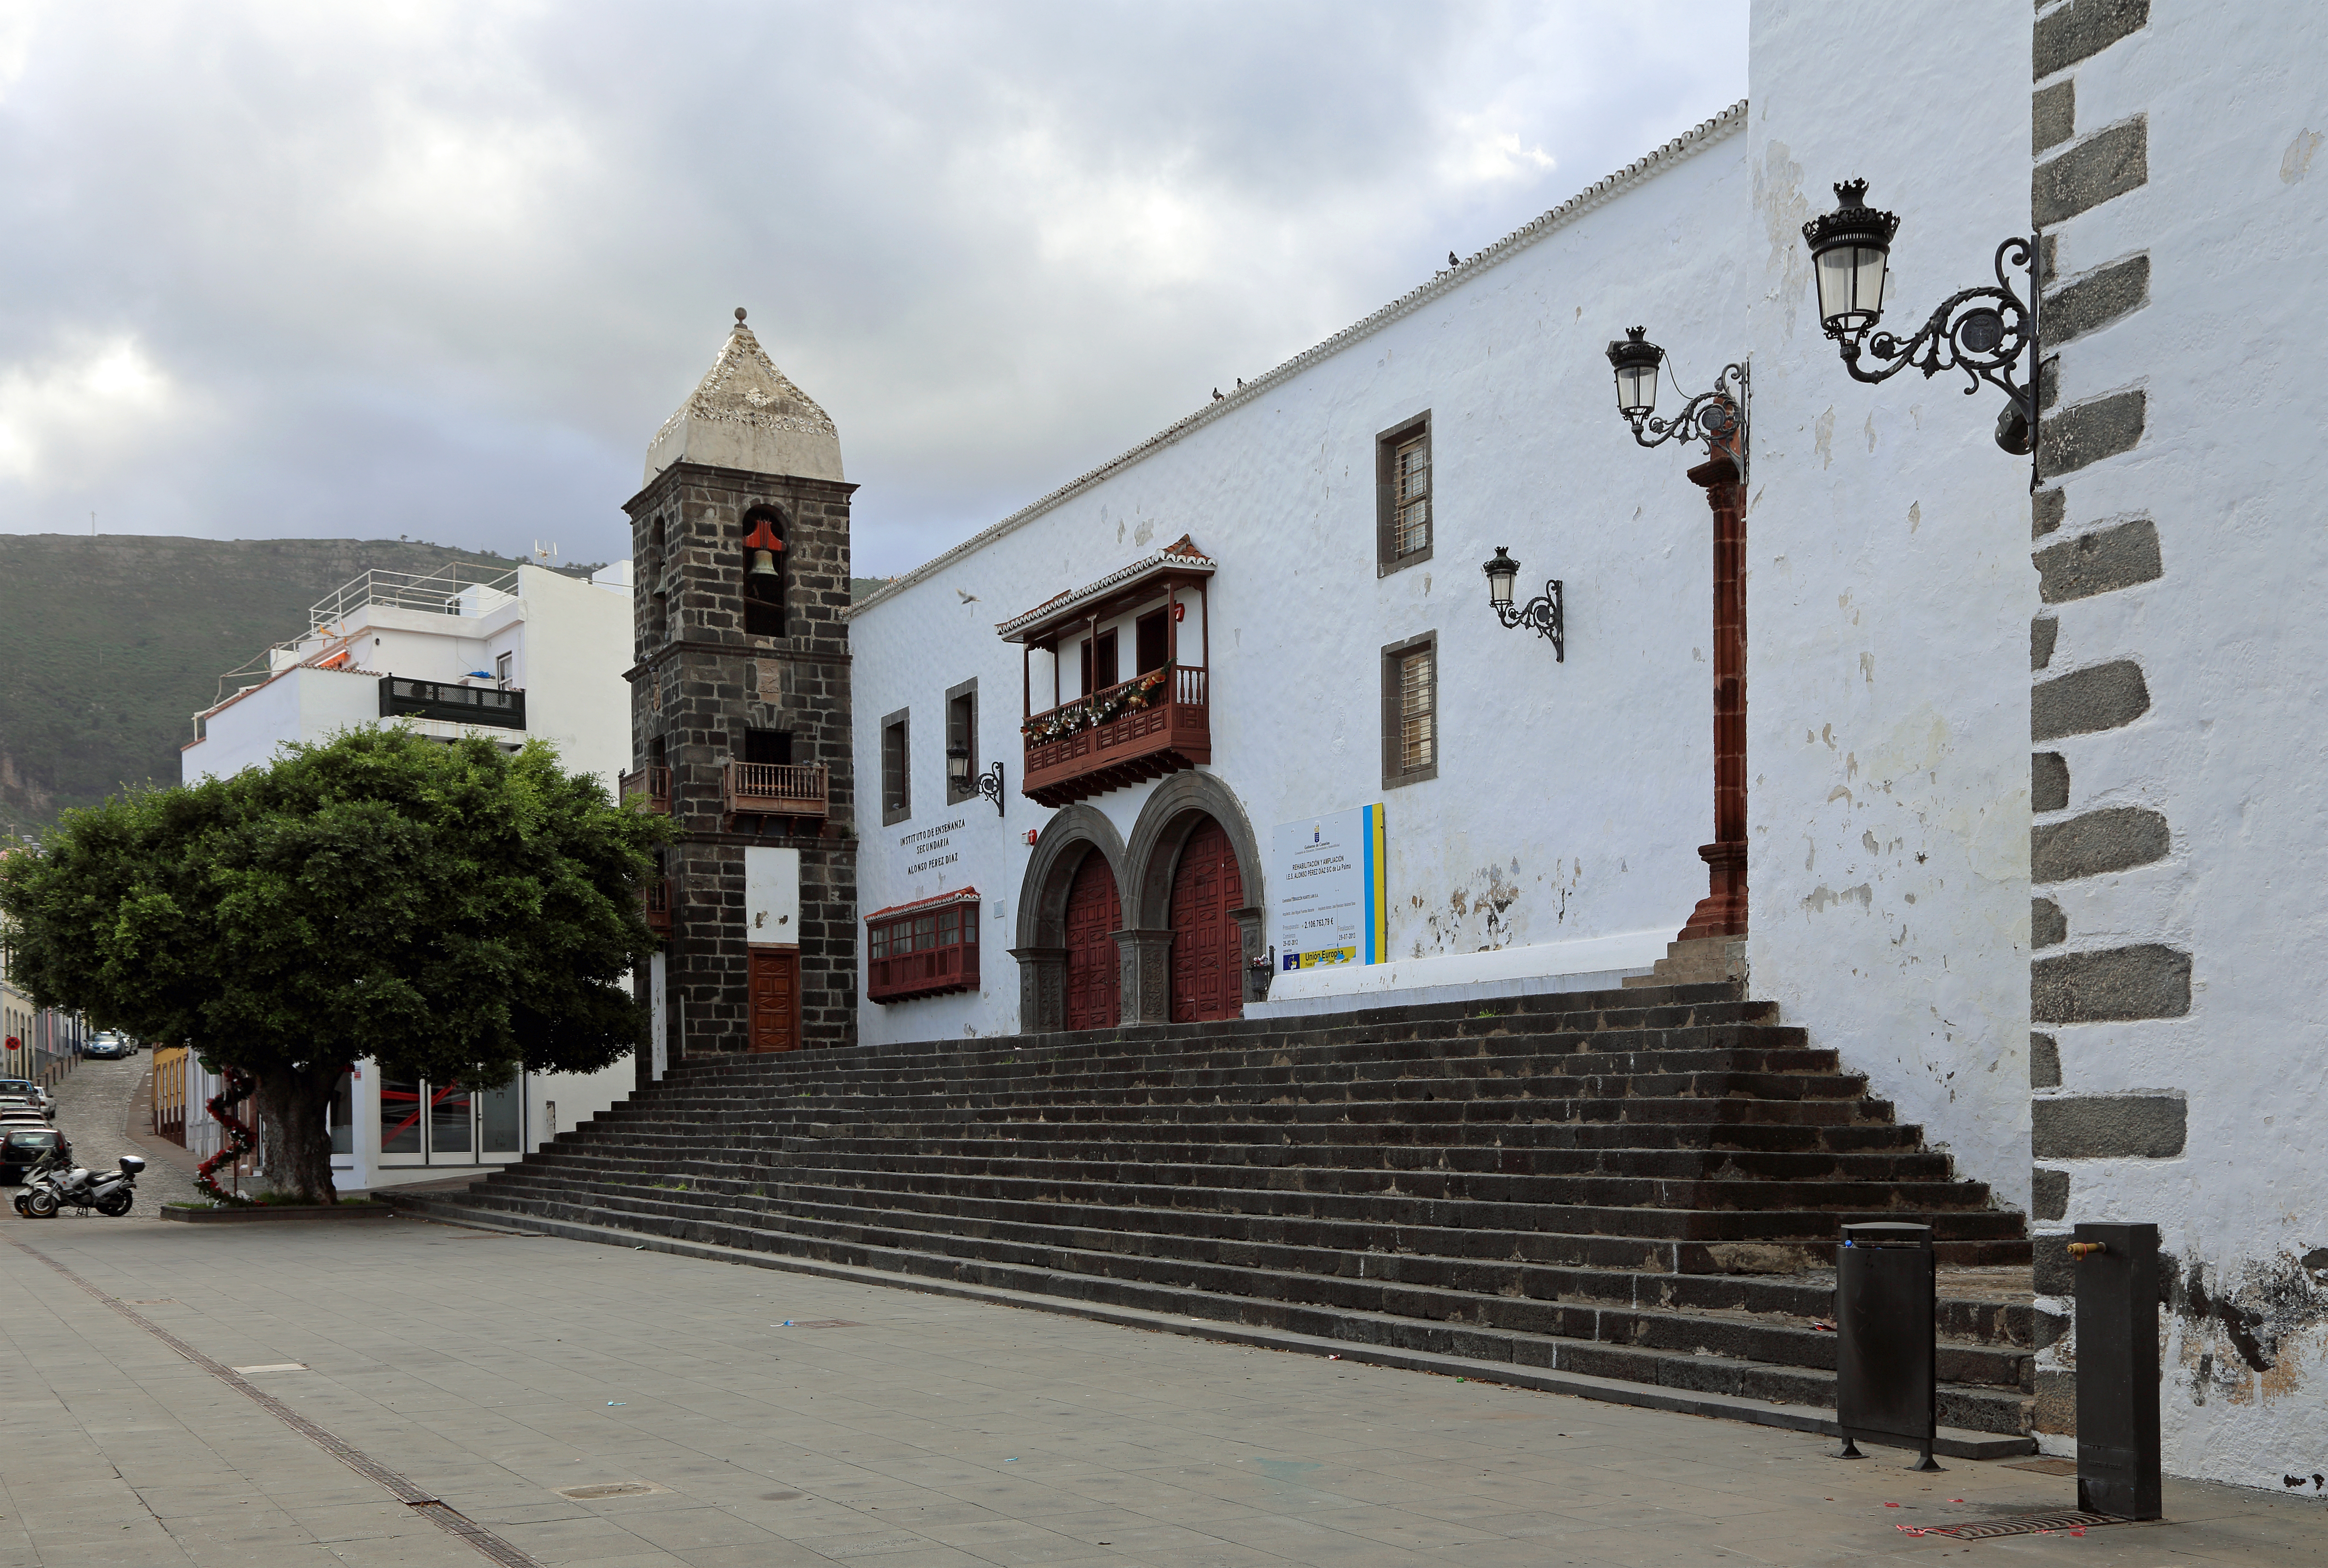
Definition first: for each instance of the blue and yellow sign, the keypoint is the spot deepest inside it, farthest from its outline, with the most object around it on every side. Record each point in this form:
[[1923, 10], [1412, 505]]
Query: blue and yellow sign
[[1331, 902]]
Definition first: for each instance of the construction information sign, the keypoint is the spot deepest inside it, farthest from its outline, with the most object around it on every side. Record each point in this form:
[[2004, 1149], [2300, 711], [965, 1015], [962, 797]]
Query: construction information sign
[[1330, 907]]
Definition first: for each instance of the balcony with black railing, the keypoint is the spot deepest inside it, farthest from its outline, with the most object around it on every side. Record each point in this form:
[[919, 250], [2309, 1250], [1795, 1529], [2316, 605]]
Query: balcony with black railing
[[401, 697]]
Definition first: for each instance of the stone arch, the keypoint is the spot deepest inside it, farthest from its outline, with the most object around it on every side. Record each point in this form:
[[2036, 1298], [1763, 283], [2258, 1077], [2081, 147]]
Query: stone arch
[[1179, 803], [1073, 832]]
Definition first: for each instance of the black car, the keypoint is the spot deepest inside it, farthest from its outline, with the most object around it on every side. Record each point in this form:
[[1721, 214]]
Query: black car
[[21, 1147]]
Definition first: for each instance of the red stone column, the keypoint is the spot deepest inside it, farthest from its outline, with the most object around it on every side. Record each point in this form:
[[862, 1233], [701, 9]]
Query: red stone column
[[1722, 911]]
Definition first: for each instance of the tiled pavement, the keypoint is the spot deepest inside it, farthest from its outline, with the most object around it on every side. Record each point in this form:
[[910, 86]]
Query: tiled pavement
[[497, 1370]]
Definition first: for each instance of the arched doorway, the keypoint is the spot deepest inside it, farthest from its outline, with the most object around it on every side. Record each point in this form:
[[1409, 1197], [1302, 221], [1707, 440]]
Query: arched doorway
[[1207, 948], [1094, 963]]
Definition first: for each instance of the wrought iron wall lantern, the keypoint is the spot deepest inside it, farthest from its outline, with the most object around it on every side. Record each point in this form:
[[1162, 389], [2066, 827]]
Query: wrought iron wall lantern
[[1982, 332], [990, 782], [1717, 418], [1544, 614]]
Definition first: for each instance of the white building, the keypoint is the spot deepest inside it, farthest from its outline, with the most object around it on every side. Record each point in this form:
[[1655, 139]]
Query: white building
[[508, 655], [2125, 857]]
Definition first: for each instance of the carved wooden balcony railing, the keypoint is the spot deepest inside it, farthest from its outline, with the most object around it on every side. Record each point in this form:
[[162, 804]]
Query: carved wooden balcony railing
[[651, 785], [1140, 728], [777, 789]]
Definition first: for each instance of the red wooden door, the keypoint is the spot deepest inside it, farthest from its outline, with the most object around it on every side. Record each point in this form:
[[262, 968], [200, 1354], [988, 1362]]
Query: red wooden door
[[1206, 952], [1094, 964], [775, 999]]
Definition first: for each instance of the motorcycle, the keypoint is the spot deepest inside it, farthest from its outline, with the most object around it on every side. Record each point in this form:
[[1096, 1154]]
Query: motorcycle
[[54, 1183]]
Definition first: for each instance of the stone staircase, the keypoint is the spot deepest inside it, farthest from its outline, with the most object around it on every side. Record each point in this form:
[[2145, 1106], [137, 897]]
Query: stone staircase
[[1629, 1193]]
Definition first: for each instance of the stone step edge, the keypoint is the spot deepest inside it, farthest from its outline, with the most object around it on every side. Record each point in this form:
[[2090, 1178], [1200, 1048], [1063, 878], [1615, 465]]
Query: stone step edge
[[1954, 1443]]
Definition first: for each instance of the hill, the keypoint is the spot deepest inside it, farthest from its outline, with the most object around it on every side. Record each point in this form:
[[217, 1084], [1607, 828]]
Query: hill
[[108, 645]]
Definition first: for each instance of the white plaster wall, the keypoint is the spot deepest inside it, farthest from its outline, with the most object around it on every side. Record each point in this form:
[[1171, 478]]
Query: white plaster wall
[[2232, 646], [298, 705], [771, 896], [1889, 581], [1571, 796], [572, 650]]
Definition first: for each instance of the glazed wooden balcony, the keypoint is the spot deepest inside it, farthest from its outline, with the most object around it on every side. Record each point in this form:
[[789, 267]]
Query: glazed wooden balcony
[[651, 786], [656, 896], [1139, 728], [776, 789]]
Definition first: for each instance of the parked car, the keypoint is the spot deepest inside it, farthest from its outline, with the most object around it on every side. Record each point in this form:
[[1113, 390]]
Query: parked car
[[24, 1090], [109, 1047], [21, 1147]]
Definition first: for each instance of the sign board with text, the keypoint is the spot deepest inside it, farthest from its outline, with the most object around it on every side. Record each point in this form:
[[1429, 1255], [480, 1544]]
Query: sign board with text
[[1327, 874]]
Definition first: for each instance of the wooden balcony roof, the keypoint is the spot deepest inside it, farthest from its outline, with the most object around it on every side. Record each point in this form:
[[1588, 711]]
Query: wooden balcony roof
[[1119, 590]]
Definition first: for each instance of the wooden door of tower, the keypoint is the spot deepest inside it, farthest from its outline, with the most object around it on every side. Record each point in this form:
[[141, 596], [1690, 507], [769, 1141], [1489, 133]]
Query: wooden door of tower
[[775, 999], [1094, 961], [1207, 949]]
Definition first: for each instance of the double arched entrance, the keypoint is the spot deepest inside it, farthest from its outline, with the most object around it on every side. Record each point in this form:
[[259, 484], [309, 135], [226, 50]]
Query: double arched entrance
[[1158, 929]]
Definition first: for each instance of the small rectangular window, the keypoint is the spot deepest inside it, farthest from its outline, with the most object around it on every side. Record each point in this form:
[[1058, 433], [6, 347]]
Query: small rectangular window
[[1411, 711], [961, 736], [897, 767], [769, 746], [1402, 513], [505, 668]]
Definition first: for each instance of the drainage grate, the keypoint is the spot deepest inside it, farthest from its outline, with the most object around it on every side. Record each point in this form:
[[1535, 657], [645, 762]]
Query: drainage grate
[[827, 1323], [2065, 1522]]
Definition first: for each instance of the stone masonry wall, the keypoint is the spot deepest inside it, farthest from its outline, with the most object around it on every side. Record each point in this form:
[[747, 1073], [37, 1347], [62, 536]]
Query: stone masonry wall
[[2079, 557], [700, 683]]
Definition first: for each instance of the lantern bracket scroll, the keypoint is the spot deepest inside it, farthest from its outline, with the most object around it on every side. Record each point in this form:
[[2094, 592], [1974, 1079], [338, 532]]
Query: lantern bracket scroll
[[1985, 332]]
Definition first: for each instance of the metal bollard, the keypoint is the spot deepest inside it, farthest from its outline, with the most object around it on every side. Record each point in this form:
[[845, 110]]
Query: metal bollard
[[1886, 1375], [2117, 1368]]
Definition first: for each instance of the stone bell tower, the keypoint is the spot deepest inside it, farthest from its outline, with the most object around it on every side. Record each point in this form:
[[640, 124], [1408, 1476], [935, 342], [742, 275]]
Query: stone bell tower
[[740, 718]]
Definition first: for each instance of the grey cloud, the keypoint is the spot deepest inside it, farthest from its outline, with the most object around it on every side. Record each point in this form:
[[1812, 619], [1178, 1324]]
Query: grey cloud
[[442, 270]]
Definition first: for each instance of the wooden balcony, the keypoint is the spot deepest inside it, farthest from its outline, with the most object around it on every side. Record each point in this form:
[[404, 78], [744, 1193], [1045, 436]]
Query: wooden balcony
[[926, 948], [657, 897], [1139, 728], [776, 789], [651, 786]]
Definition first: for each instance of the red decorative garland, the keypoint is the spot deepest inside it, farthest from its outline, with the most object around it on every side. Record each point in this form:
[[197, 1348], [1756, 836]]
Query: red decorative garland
[[240, 1140]]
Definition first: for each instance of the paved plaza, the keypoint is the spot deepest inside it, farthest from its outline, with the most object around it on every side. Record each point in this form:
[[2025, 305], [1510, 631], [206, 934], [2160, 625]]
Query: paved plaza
[[774, 1419]]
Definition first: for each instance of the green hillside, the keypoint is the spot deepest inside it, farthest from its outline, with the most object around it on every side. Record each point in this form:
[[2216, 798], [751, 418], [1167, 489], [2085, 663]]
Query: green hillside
[[109, 645]]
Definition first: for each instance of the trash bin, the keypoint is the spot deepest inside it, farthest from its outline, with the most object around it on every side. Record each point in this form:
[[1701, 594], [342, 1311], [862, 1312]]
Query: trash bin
[[1886, 1376], [2117, 1368]]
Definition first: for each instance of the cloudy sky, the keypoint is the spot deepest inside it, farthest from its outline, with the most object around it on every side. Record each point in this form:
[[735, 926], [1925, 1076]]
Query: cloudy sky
[[441, 269]]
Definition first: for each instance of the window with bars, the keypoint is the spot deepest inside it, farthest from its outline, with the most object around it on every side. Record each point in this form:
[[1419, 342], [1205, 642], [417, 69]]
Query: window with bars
[[1410, 710], [1402, 517]]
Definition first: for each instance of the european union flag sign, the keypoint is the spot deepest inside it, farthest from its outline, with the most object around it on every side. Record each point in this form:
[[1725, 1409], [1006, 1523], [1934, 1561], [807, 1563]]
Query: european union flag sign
[[1330, 885]]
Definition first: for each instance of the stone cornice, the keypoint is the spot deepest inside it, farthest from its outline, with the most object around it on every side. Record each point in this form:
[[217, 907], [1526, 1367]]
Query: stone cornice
[[672, 649]]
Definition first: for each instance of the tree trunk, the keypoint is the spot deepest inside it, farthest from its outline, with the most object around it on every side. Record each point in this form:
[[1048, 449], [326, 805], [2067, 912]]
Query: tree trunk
[[296, 1103]]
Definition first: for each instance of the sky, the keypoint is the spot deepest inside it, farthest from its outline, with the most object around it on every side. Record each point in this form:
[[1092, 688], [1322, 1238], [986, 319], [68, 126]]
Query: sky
[[440, 270]]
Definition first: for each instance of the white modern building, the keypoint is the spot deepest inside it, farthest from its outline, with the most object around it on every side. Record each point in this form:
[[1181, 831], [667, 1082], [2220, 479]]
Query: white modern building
[[1265, 748], [506, 654]]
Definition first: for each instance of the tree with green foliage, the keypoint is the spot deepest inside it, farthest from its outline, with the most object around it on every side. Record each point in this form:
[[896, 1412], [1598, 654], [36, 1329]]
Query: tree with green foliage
[[451, 912]]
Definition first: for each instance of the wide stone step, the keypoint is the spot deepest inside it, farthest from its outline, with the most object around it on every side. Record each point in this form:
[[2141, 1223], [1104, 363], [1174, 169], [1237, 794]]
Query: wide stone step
[[1037, 1141], [1696, 1368], [1529, 1264], [1113, 1202]]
